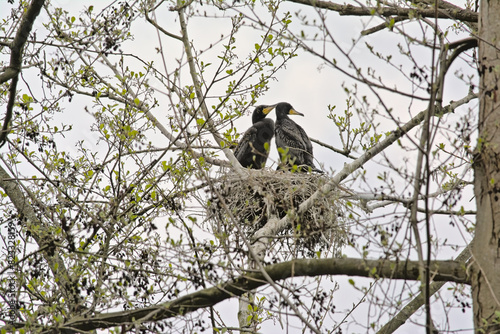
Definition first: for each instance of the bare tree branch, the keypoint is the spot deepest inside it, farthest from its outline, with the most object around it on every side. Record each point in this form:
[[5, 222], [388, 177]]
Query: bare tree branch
[[448, 271], [16, 58], [403, 315], [336, 150], [443, 13], [160, 28]]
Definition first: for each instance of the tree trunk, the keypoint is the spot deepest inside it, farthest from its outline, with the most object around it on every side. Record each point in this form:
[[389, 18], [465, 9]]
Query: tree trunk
[[486, 248]]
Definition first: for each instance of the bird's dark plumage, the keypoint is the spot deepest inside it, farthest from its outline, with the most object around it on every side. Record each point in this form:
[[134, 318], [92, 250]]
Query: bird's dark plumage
[[289, 135], [251, 150]]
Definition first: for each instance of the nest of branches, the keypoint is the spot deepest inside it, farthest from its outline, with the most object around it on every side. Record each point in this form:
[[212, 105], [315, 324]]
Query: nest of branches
[[266, 194]]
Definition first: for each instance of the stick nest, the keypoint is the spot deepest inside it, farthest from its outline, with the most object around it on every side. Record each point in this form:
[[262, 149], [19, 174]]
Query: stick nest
[[265, 194]]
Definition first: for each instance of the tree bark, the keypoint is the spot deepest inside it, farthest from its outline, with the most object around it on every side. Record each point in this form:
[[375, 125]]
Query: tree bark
[[486, 248]]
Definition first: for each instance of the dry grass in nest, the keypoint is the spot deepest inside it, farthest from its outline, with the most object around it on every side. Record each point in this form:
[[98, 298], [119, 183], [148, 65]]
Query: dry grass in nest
[[267, 193]]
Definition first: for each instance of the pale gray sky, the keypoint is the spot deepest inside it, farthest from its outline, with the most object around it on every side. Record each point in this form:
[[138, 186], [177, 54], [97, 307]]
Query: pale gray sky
[[310, 86]]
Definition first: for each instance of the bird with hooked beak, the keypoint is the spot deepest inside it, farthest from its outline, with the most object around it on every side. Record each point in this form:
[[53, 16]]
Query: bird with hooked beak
[[294, 146], [253, 149]]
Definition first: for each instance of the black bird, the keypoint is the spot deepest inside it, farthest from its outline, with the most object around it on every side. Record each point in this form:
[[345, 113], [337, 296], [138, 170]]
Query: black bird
[[294, 146], [253, 149]]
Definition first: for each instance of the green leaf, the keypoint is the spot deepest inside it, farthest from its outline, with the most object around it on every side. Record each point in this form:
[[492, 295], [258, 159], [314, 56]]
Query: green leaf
[[391, 23], [26, 98], [137, 101]]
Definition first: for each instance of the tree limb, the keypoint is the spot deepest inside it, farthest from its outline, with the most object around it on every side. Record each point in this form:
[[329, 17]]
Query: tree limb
[[160, 28], [464, 15], [336, 150], [449, 271], [16, 58]]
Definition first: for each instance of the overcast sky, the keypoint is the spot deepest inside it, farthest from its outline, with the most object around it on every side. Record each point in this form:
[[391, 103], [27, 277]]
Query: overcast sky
[[307, 83]]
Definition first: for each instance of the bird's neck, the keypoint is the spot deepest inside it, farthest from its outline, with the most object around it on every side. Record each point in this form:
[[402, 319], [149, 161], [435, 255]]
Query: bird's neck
[[257, 118]]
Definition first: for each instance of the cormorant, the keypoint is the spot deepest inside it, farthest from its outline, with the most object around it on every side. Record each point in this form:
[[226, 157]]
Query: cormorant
[[251, 150], [294, 146]]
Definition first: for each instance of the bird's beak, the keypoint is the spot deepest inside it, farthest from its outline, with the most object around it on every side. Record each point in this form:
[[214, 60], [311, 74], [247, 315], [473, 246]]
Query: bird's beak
[[294, 112], [267, 110]]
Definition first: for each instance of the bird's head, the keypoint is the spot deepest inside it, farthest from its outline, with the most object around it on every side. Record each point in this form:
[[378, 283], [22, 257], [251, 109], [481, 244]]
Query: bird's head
[[261, 112], [284, 108]]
